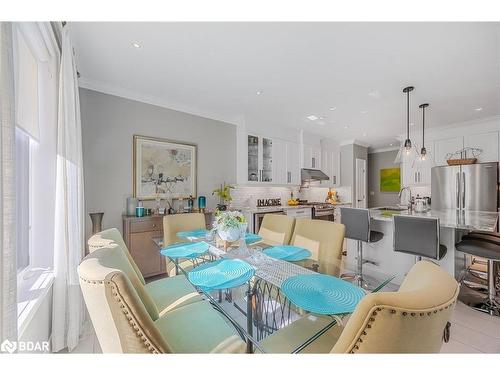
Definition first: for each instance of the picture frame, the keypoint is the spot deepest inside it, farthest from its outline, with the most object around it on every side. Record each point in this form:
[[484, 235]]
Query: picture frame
[[164, 168], [390, 180]]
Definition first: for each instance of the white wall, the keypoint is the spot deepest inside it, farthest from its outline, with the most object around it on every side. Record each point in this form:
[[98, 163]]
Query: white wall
[[108, 125]]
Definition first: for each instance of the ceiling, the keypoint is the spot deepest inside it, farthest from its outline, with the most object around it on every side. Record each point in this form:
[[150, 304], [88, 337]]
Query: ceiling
[[350, 74]]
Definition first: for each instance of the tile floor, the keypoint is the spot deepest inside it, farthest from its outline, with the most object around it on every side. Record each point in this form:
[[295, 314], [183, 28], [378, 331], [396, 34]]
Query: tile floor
[[471, 332]]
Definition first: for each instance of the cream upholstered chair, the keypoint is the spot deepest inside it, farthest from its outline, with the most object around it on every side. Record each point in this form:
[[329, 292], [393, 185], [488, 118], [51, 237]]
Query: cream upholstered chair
[[411, 320], [322, 238], [276, 229], [167, 293], [172, 224], [126, 320]]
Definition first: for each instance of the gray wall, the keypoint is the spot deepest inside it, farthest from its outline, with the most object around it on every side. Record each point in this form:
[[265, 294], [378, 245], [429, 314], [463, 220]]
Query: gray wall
[[348, 155], [377, 161], [108, 124]]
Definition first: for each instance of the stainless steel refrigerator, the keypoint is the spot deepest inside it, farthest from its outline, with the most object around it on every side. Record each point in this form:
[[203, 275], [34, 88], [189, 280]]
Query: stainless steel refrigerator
[[471, 187]]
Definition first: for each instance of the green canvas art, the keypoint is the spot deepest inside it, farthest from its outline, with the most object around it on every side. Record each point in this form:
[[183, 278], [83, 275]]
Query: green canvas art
[[390, 180]]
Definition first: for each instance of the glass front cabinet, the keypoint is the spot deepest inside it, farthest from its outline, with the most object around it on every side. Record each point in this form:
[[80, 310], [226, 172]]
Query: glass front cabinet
[[260, 159]]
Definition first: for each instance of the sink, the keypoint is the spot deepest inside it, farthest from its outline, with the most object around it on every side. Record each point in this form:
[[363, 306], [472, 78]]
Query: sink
[[392, 208]]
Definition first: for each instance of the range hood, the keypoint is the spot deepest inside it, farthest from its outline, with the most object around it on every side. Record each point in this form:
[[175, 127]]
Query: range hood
[[307, 175]]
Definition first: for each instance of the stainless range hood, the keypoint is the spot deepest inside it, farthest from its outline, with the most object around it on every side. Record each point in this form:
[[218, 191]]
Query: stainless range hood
[[307, 175]]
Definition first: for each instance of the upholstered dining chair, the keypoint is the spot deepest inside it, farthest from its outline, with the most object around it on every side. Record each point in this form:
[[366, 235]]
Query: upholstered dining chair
[[276, 229], [127, 321], [411, 320], [322, 238], [172, 224], [167, 293]]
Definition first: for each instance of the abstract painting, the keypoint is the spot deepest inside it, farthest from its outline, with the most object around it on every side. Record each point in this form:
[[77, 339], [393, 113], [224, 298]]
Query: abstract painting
[[390, 180], [164, 168]]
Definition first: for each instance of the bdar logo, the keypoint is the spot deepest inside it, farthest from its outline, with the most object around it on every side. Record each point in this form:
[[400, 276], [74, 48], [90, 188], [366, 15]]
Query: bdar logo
[[8, 346]]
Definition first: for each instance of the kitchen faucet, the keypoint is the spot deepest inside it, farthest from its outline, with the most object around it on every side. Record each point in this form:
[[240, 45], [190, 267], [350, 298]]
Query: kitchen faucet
[[410, 201]]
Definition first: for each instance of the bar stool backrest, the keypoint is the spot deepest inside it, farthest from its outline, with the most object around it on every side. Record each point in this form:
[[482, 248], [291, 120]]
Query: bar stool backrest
[[357, 223], [416, 235]]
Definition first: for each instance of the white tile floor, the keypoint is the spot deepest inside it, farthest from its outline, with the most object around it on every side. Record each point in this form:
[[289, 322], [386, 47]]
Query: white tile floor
[[471, 332]]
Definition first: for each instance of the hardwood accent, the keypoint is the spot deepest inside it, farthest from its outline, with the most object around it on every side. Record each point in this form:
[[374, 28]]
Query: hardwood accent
[[138, 233]]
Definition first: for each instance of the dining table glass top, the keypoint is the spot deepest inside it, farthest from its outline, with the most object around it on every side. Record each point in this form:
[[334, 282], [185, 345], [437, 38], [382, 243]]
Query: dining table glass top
[[258, 307]]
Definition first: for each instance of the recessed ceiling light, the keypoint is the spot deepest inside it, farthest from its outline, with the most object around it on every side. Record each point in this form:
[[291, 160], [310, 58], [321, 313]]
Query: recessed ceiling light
[[364, 112], [333, 108], [312, 117], [411, 124], [346, 127], [321, 118], [364, 134], [375, 94], [258, 92], [479, 109], [136, 45], [391, 144]]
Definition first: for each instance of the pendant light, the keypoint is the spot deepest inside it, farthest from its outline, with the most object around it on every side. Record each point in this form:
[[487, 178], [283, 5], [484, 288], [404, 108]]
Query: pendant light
[[405, 152], [423, 151]]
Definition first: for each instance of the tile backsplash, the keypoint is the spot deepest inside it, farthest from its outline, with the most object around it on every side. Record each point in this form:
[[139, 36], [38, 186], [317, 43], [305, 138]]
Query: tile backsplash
[[246, 196]]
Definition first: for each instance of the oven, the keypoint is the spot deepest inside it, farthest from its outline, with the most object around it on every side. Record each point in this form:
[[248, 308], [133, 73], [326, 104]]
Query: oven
[[259, 216], [324, 213]]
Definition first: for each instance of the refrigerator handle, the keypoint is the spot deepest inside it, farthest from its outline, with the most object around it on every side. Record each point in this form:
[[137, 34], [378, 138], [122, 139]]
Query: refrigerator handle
[[458, 190], [463, 190]]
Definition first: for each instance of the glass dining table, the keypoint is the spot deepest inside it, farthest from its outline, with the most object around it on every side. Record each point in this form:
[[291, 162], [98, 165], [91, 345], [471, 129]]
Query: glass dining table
[[258, 307]]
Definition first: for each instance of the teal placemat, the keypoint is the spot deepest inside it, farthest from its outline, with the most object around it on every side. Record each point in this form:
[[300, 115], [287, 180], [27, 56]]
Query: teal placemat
[[322, 294], [287, 252], [251, 238], [221, 274], [198, 233], [185, 250]]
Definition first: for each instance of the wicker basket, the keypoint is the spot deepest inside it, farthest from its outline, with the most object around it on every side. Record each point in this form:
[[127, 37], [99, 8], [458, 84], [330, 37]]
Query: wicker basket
[[461, 161]]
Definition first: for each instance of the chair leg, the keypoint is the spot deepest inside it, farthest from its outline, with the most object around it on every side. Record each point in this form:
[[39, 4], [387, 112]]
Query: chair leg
[[359, 276], [490, 305]]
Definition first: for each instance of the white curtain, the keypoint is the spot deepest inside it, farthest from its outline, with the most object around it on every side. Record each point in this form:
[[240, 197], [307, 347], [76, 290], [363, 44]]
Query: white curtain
[[8, 268], [68, 312]]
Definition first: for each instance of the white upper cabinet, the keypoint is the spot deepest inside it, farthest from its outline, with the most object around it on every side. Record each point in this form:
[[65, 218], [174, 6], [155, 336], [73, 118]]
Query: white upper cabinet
[[260, 159], [442, 147], [330, 164], [488, 142], [311, 157], [292, 163], [280, 162]]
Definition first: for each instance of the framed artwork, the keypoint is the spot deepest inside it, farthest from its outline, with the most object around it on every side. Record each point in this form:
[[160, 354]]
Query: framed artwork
[[163, 168], [390, 180]]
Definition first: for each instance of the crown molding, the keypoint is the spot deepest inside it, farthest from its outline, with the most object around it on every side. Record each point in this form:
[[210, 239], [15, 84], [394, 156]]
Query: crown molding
[[121, 92], [382, 149]]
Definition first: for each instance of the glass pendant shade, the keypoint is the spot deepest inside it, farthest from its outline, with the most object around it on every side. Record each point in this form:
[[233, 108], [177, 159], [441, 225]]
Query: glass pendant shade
[[407, 152]]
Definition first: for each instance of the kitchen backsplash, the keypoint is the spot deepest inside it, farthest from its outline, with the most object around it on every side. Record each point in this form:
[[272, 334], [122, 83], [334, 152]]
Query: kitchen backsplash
[[246, 196]]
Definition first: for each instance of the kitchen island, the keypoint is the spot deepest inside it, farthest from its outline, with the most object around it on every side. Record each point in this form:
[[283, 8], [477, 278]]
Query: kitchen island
[[453, 223]]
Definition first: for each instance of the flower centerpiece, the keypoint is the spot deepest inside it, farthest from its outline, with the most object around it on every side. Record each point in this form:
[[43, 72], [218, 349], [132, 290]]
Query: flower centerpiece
[[230, 225], [224, 194]]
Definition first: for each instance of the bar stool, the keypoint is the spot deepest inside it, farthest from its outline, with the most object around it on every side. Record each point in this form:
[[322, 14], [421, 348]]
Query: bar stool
[[357, 227], [418, 236], [487, 247]]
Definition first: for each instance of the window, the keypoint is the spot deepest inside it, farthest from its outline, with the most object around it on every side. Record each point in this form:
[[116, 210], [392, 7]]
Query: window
[[27, 132], [23, 199]]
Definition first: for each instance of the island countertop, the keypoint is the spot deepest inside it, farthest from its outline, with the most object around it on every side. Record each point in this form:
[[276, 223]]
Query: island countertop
[[468, 220]]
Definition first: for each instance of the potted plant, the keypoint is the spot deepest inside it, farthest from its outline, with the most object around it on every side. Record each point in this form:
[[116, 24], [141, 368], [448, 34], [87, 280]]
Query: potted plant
[[230, 225], [224, 194]]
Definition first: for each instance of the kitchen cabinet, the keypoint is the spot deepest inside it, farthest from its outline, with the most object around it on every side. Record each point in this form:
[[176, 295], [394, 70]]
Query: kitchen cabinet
[[292, 163], [281, 174], [330, 164], [416, 172], [260, 159], [442, 147], [311, 157], [488, 142]]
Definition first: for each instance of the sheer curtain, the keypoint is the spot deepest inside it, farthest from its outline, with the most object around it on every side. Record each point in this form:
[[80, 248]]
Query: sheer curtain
[[68, 312], [8, 269]]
